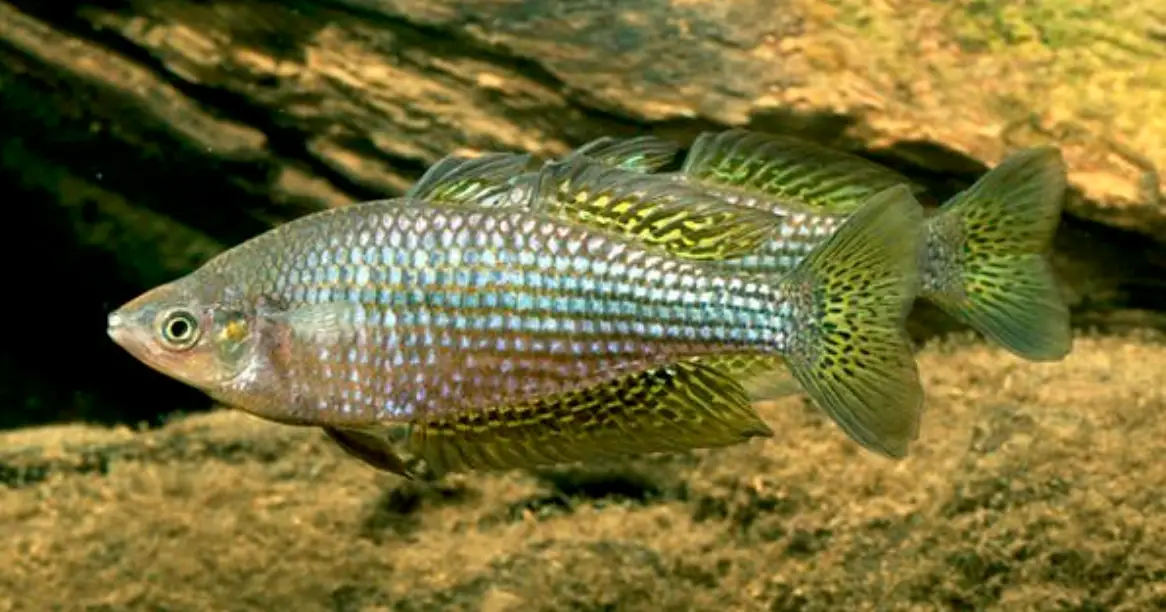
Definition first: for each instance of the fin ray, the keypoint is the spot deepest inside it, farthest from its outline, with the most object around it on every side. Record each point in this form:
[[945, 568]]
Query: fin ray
[[327, 323], [764, 377], [850, 350], [640, 154], [486, 180], [370, 448], [787, 173], [988, 264], [678, 407], [665, 214]]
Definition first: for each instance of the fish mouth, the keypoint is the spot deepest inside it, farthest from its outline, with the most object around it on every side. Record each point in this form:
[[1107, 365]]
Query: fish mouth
[[120, 329], [115, 327]]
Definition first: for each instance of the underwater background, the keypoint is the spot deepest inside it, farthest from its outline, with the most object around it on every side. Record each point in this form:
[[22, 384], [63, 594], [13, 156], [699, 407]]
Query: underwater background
[[140, 137]]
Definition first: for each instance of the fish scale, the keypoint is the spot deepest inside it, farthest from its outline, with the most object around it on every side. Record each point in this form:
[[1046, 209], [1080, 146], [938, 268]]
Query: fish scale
[[984, 259], [423, 311], [798, 236], [504, 335]]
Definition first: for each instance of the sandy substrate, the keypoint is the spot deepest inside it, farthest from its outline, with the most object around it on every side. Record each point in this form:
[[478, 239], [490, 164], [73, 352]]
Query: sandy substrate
[[1033, 487]]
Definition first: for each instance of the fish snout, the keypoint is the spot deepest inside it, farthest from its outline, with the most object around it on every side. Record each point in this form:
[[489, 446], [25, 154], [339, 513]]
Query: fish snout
[[117, 326]]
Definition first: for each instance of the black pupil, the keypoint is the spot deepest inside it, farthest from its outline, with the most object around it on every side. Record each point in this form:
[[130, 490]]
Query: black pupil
[[179, 328]]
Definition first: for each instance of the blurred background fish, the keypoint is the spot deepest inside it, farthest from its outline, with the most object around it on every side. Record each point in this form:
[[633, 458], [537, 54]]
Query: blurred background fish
[[985, 256]]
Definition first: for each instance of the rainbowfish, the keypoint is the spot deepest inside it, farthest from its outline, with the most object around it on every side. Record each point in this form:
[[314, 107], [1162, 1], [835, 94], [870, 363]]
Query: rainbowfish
[[984, 258], [503, 338]]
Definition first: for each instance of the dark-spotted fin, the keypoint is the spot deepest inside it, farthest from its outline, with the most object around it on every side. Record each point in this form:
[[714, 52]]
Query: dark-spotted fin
[[782, 173], [679, 407], [988, 256], [764, 377], [850, 297], [681, 219]]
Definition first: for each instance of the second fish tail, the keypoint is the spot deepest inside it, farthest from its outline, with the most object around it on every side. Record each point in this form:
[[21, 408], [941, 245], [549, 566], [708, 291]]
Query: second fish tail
[[987, 256]]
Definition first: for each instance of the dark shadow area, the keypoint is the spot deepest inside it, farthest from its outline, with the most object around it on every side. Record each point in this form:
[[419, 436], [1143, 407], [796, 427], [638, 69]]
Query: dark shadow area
[[283, 140], [597, 485], [57, 364], [398, 510]]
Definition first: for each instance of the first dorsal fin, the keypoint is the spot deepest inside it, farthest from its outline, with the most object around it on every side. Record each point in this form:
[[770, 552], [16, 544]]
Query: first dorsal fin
[[788, 174], [683, 220], [641, 154], [678, 407], [489, 180]]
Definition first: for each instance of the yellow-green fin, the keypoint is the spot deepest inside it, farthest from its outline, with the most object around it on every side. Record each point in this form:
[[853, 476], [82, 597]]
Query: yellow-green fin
[[788, 174], [663, 213], [763, 377], [372, 448], [678, 407], [485, 181], [642, 154], [987, 256], [848, 347], [491, 178]]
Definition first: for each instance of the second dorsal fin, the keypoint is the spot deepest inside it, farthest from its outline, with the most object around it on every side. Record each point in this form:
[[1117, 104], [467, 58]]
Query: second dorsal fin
[[792, 174], [665, 213]]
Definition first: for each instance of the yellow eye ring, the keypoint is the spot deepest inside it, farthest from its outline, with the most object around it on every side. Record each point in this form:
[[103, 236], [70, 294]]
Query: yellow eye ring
[[179, 329]]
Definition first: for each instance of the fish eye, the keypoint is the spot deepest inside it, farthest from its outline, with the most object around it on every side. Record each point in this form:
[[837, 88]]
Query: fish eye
[[179, 329]]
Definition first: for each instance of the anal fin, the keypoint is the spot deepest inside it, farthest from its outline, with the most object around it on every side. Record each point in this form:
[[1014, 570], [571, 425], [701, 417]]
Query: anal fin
[[763, 377], [682, 406]]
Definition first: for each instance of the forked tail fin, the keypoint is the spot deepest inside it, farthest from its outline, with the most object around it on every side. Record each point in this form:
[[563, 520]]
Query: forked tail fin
[[848, 301], [987, 259]]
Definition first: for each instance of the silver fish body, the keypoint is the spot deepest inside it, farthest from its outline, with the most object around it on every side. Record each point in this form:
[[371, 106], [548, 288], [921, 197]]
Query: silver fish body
[[510, 335], [392, 311]]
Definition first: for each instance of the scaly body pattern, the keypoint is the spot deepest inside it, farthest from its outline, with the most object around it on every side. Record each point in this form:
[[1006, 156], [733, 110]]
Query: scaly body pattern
[[509, 338], [984, 255]]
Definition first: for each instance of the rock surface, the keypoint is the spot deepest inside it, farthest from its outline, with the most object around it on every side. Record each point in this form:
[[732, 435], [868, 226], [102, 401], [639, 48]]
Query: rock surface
[[142, 136]]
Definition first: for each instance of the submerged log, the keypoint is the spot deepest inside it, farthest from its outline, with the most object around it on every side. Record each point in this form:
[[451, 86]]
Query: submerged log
[[140, 137]]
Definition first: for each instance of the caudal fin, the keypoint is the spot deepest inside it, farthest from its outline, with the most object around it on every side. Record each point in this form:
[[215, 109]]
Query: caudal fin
[[987, 259], [849, 299]]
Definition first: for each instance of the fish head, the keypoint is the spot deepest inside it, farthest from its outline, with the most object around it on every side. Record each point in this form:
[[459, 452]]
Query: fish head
[[178, 331]]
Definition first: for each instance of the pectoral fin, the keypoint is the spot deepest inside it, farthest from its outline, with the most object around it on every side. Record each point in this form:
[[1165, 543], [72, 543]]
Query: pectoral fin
[[326, 324]]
